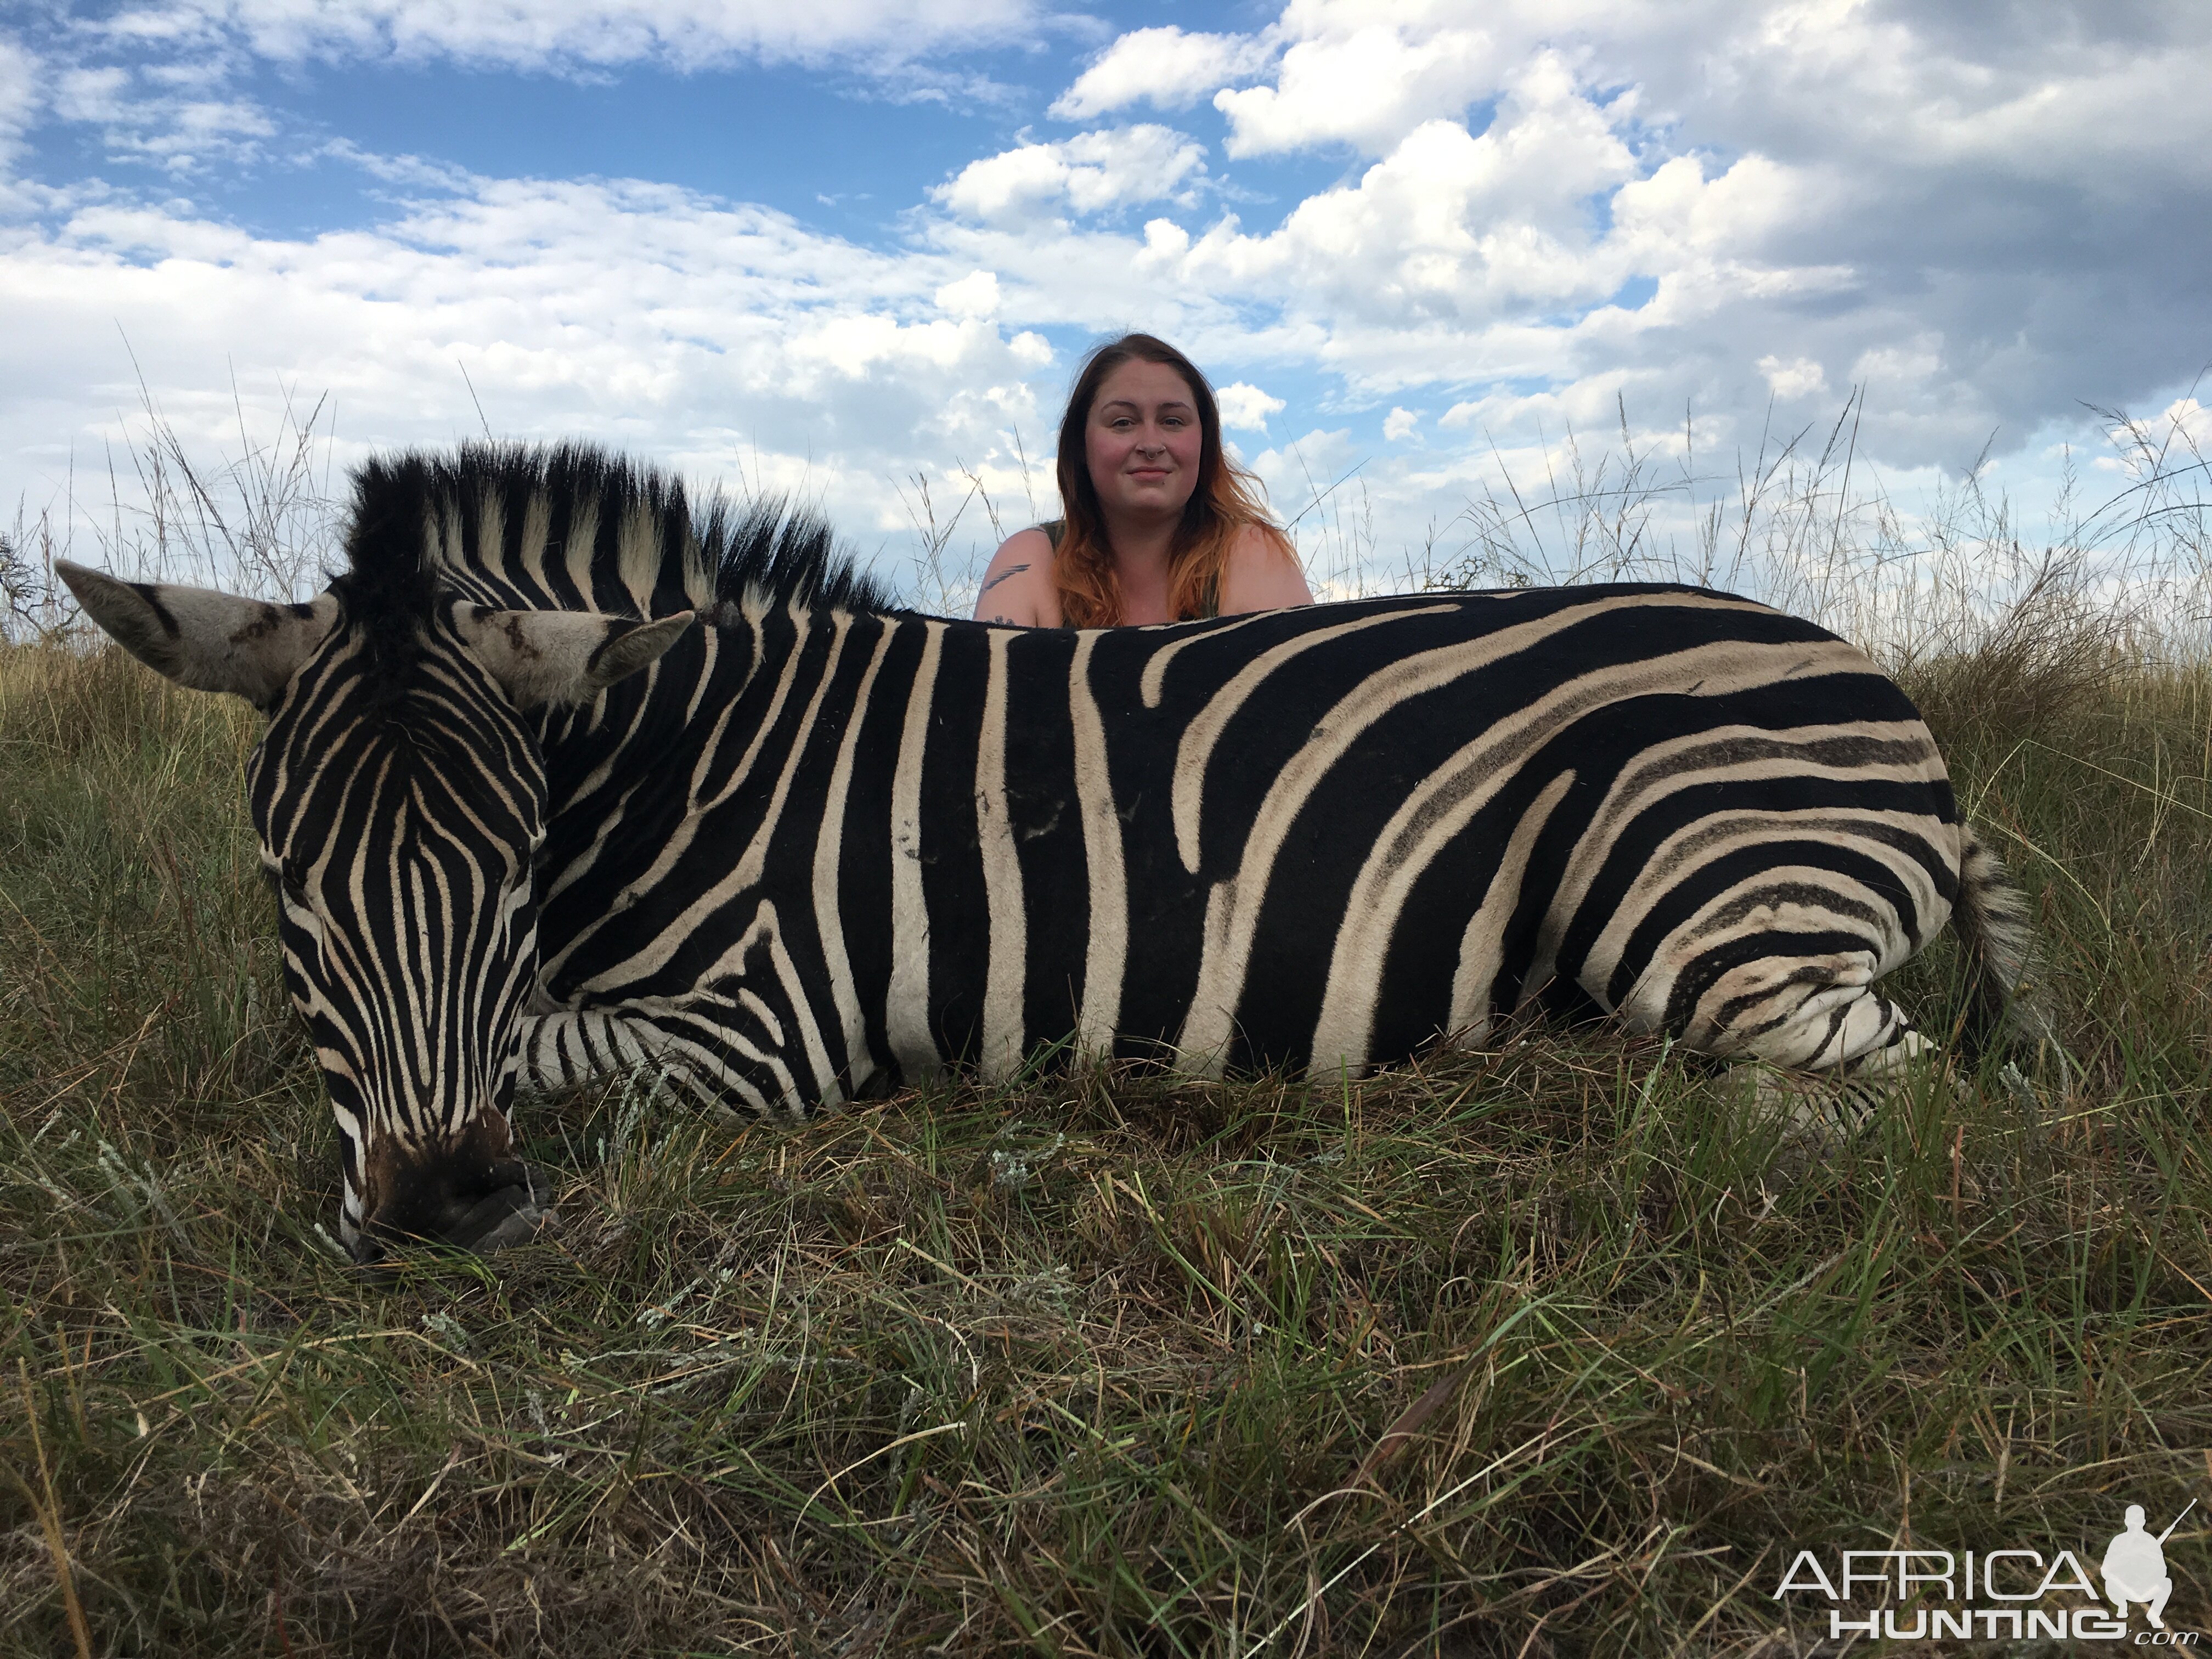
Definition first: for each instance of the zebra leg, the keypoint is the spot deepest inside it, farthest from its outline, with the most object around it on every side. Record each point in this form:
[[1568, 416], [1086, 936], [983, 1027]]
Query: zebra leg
[[1835, 1102], [726, 1053], [584, 1045], [1835, 1046]]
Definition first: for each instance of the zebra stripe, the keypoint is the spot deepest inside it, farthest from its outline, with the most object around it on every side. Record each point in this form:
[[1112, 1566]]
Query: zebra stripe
[[1106, 932], [906, 1015]]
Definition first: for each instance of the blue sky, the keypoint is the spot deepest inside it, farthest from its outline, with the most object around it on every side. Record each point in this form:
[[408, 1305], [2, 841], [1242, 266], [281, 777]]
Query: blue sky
[[846, 246]]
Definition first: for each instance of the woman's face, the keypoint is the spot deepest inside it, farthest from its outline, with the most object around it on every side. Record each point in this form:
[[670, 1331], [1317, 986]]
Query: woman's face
[[1142, 441]]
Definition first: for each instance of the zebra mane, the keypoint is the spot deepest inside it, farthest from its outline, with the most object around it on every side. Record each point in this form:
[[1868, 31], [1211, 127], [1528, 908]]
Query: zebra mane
[[571, 527]]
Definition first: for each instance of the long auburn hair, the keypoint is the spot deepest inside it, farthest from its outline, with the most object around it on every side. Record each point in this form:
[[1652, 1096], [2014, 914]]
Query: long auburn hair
[[1223, 502]]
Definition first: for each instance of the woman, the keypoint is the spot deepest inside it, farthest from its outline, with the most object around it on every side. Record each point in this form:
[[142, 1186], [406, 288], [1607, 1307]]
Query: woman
[[1161, 526]]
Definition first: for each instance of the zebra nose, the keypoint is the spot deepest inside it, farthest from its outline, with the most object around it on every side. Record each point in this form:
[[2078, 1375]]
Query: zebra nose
[[505, 1206], [508, 1215]]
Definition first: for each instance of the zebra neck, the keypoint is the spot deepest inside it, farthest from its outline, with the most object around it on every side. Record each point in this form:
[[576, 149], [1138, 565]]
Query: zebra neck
[[712, 732]]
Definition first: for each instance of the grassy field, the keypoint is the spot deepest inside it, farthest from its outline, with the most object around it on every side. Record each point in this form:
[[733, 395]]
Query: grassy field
[[1549, 1350]]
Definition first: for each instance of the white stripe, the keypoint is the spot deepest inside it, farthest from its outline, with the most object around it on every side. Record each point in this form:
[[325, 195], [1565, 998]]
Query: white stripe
[[753, 861], [1154, 683], [1004, 972], [576, 550], [1432, 814], [1701, 758], [1482, 946], [664, 945], [637, 556], [610, 819], [537, 529], [1440, 806], [906, 1010], [825, 1092], [1105, 952], [491, 551]]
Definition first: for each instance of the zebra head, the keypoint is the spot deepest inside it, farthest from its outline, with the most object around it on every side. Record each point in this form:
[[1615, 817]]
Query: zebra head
[[399, 793]]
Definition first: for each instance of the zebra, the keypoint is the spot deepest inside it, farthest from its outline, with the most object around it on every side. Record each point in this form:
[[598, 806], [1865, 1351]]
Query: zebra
[[562, 778]]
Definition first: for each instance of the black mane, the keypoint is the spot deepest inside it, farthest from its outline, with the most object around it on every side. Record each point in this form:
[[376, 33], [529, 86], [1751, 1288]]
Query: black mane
[[608, 534]]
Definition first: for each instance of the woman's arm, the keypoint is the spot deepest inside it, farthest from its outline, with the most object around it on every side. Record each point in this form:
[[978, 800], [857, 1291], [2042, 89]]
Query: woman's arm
[[1261, 574], [1018, 583]]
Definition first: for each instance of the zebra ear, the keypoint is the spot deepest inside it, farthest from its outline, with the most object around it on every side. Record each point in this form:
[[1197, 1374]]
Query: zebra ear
[[201, 638], [562, 656]]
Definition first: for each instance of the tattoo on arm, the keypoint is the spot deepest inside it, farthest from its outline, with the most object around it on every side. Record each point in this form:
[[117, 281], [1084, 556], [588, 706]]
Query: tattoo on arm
[[1009, 621], [1011, 570]]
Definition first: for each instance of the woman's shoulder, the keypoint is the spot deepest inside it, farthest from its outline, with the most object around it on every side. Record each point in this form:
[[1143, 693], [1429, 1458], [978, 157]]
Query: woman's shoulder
[[1018, 585], [1258, 539], [1038, 538], [1260, 572]]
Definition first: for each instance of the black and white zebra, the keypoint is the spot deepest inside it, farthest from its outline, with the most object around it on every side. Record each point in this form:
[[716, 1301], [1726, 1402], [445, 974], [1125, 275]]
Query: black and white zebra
[[529, 820]]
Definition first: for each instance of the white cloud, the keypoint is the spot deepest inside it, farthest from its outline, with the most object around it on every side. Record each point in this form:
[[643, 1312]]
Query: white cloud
[[1398, 425], [165, 125], [1090, 173], [1449, 226], [2143, 445], [975, 294], [20, 75], [1245, 408], [1793, 378], [1164, 67], [1899, 367], [91, 94], [1359, 82], [556, 33], [2184, 419], [1298, 472]]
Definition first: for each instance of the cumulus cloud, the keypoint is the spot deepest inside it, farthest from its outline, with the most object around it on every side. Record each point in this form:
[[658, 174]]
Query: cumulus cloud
[[1794, 377], [975, 294], [1164, 67], [1450, 227], [1360, 85], [1245, 408], [1398, 425], [1090, 173]]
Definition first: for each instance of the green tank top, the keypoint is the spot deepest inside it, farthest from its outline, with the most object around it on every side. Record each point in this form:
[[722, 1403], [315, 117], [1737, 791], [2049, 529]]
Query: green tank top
[[1209, 597]]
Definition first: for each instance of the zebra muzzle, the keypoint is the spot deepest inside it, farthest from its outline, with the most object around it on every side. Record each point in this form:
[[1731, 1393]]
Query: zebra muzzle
[[505, 1210], [508, 1216]]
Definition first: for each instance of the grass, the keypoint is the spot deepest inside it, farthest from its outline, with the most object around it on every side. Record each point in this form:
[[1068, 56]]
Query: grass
[[1545, 1350]]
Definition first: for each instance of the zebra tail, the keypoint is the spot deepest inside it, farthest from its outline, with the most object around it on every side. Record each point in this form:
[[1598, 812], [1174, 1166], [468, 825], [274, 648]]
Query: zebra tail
[[1991, 918]]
